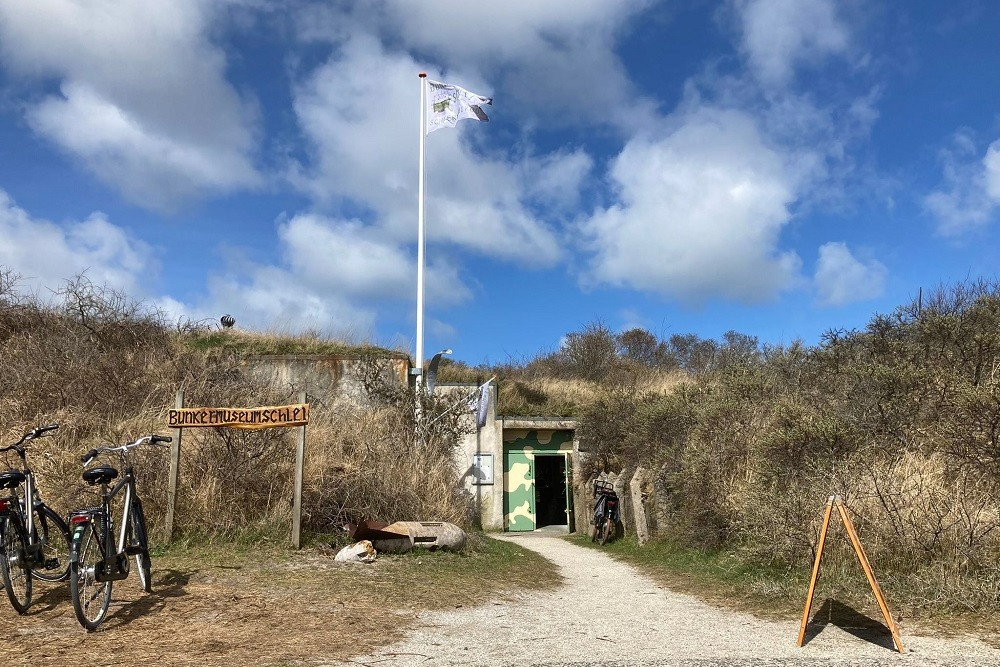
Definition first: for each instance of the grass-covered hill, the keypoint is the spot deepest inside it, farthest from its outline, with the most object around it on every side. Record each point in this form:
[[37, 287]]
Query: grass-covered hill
[[745, 441], [107, 368]]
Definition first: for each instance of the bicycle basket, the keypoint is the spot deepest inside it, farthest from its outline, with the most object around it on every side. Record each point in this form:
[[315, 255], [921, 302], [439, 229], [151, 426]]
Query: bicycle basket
[[602, 488]]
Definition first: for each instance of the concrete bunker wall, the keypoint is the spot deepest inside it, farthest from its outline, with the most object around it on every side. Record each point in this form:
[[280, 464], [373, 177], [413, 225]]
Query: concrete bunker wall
[[328, 378]]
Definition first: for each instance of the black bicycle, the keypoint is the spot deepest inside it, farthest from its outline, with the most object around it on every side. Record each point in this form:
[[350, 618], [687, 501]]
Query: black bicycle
[[99, 556], [35, 543], [605, 512]]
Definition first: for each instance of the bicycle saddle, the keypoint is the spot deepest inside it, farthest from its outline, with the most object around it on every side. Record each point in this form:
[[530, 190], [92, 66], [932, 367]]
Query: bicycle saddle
[[10, 479], [99, 475]]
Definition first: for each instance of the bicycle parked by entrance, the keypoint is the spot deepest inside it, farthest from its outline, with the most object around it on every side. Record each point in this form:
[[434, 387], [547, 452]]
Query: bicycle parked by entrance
[[34, 540], [605, 512], [99, 556]]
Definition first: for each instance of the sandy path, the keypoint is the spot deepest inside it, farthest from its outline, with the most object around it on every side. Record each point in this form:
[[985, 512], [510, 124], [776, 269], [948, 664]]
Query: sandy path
[[608, 613]]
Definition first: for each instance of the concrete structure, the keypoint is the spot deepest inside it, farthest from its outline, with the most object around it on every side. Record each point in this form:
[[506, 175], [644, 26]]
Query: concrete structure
[[328, 378], [522, 471]]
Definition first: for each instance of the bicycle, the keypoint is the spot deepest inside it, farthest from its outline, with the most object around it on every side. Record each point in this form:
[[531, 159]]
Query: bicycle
[[605, 512], [35, 543], [96, 561]]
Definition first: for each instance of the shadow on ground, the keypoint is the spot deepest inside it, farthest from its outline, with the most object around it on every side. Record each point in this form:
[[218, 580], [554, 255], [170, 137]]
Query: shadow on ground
[[851, 621], [172, 584]]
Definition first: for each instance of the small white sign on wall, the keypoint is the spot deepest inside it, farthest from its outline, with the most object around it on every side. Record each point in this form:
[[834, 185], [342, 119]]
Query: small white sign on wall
[[482, 469]]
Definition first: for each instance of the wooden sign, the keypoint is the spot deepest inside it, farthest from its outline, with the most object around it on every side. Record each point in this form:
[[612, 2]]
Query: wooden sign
[[245, 418], [865, 565]]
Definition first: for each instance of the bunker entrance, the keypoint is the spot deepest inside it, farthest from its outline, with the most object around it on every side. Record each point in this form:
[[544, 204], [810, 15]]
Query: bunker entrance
[[550, 490]]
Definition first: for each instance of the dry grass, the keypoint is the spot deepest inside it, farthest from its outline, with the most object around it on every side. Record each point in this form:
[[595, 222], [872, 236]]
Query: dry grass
[[276, 342], [228, 604], [106, 368]]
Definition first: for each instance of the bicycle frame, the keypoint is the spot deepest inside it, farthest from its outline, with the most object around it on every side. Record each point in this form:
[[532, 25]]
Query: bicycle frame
[[114, 555], [29, 498], [114, 560]]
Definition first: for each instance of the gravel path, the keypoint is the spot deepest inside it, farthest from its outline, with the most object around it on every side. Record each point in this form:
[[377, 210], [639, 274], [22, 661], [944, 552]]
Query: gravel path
[[607, 613]]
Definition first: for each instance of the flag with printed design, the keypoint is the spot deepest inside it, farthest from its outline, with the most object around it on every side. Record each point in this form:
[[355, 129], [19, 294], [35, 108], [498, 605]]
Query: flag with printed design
[[447, 104]]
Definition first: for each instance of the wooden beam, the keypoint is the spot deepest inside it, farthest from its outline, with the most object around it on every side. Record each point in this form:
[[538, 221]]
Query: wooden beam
[[815, 571], [300, 454], [175, 466], [866, 566]]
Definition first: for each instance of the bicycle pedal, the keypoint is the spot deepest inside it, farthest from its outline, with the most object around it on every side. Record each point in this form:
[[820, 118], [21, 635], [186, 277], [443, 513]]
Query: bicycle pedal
[[51, 564], [133, 550]]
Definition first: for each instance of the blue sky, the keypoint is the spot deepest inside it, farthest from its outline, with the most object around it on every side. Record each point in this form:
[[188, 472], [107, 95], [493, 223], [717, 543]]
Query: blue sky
[[776, 167]]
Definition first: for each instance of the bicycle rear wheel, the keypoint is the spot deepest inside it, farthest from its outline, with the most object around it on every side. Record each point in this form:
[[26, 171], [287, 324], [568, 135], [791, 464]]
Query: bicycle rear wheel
[[90, 597], [14, 566], [53, 536], [138, 537], [605, 532]]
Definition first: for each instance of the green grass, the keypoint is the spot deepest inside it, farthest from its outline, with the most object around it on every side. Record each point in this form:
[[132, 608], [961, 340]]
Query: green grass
[[725, 578], [718, 576]]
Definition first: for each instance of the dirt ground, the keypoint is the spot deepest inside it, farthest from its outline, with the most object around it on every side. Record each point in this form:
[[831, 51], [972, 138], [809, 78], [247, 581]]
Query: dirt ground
[[222, 607], [203, 617]]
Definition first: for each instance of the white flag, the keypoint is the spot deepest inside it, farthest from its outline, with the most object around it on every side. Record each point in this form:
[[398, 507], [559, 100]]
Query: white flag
[[446, 105], [479, 402]]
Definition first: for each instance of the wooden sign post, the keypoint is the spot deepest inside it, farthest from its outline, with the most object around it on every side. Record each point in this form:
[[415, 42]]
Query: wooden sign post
[[865, 565], [181, 418]]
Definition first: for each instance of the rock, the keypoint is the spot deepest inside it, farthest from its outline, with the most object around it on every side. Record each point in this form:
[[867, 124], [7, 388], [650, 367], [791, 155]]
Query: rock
[[359, 552]]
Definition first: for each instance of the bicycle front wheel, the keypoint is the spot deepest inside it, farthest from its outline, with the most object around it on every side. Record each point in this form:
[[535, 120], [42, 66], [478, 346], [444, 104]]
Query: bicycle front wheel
[[14, 566], [53, 536], [142, 561], [90, 597]]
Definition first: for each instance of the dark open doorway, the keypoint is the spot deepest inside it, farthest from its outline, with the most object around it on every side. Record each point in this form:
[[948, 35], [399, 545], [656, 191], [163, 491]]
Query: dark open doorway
[[550, 490]]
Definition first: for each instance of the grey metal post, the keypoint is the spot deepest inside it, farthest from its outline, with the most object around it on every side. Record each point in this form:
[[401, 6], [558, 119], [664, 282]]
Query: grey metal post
[[175, 465], [300, 455]]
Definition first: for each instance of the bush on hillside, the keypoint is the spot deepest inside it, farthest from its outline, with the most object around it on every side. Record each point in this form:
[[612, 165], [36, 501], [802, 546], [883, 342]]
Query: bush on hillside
[[901, 419], [107, 368]]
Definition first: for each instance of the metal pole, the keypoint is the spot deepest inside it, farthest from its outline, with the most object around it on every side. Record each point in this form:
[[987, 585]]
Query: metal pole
[[419, 361]]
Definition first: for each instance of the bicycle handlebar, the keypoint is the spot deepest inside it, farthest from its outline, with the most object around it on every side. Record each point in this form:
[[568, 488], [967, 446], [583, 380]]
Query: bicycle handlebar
[[27, 437], [144, 440], [43, 429]]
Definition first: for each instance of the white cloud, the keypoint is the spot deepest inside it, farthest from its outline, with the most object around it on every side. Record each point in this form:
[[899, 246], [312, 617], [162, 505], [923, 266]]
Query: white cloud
[[365, 138], [557, 59], [334, 275], [46, 254], [553, 181], [992, 164], [780, 35], [699, 213], [841, 278], [816, 129], [271, 298], [144, 100], [154, 170], [970, 195], [340, 255]]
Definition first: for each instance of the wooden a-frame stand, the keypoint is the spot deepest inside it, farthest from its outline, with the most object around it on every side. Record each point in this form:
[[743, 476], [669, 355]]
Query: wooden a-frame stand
[[865, 565]]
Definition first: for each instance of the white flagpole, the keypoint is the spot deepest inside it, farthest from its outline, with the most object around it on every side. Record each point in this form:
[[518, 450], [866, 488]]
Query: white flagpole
[[419, 361]]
